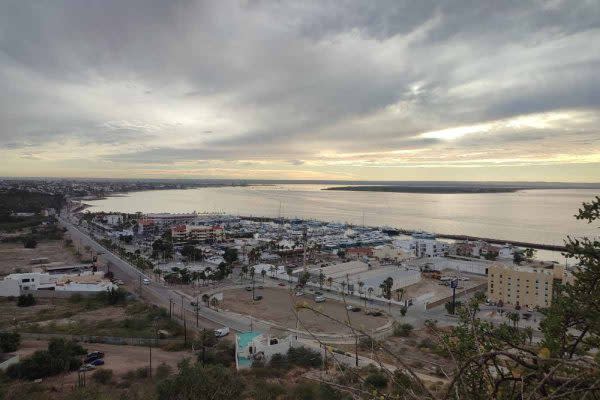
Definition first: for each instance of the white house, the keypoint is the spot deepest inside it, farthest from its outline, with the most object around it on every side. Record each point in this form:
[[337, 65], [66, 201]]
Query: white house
[[254, 346]]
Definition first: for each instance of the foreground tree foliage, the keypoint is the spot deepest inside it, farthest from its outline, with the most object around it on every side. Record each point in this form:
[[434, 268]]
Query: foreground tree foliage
[[501, 362]]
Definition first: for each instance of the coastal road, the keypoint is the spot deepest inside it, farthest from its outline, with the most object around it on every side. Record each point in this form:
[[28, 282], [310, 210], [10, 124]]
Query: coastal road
[[161, 295]]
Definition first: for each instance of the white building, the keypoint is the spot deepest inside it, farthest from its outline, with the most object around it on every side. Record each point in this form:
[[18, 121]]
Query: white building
[[423, 247], [114, 219], [16, 284], [254, 346]]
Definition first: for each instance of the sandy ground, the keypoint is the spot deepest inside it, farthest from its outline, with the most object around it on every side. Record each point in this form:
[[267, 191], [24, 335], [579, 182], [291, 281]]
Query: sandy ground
[[277, 306], [120, 359], [432, 285], [14, 255]]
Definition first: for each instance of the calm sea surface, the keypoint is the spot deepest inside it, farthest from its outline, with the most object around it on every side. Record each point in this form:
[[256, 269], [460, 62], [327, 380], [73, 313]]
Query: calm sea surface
[[540, 216]]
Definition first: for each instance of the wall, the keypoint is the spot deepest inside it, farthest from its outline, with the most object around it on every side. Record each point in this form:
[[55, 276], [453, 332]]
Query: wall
[[478, 288], [13, 360]]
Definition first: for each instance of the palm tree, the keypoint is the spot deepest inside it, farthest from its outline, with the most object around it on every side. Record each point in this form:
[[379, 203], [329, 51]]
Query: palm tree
[[361, 284], [343, 285], [329, 282], [263, 272], [321, 279], [399, 294], [244, 271], [370, 292], [272, 270]]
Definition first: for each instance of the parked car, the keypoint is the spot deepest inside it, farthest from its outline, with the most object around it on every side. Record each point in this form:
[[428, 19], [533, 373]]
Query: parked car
[[261, 287], [299, 293], [193, 303], [248, 289], [86, 367], [97, 362], [281, 284], [356, 309], [257, 298], [222, 332], [97, 354], [146, 281], [319, 299], [349, 307]]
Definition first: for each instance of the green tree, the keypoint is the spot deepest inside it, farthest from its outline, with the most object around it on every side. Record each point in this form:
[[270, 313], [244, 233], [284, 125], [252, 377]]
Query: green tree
[[9, 342], [231, 255], [201, 382], [386, 287]]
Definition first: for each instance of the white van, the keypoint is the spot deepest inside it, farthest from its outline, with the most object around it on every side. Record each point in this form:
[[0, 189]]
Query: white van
[[222, 331]]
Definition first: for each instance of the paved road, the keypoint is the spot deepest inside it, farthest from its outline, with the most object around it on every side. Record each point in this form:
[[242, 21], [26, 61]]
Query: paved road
[[159, 294]]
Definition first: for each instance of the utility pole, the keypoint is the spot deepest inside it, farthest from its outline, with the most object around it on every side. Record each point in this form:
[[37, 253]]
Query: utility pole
[[197, 307], [453, 285]]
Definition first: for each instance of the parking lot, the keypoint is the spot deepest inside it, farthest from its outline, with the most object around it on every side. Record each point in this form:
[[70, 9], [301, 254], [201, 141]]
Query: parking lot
[[278, 305]]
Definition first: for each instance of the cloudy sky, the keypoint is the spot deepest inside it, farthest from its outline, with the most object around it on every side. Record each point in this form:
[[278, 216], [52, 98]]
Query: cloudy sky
[[415, 90]]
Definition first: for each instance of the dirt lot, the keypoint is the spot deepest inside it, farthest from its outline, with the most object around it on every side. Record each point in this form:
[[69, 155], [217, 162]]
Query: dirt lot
[[277, 306], [432, 285], [14, 255], [120, 359]]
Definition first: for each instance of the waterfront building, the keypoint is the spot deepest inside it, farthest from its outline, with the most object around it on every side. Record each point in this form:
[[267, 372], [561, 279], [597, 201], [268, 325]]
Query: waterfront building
[[525, 285]]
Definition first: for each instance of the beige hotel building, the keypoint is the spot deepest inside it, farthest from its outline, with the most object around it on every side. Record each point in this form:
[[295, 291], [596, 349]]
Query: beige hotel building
[[527, 286]]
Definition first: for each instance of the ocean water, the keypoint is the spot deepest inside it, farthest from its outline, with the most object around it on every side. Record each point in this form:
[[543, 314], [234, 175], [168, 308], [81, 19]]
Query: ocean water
[[539, 216]]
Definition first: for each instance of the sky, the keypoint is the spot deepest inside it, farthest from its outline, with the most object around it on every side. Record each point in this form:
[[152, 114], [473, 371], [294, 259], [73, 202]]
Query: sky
[[381, 90]]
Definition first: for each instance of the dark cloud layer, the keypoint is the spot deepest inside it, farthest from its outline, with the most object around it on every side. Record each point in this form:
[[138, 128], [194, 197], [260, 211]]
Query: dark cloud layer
[[299, 82]]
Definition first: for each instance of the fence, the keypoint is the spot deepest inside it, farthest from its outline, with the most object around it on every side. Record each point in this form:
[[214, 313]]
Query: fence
[[115, 340], [474, 289]]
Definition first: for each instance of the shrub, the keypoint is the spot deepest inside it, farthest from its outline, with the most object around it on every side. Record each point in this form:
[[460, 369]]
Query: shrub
[[378, 380], [162, 371], [75, 298], [9, 342], [279, 361], [367, 343], [202, 382], [61, 356], [102, 376], [30, 244], [26, 300], [403, 330], [304, 357], [267, 391]]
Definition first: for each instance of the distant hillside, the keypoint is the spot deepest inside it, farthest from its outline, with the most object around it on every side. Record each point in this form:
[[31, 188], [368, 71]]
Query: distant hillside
[[24, 201]]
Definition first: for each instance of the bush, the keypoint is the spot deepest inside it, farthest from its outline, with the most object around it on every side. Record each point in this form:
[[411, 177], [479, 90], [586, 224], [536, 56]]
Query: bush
[[30, 244], [368, 343], [202, 382], [279, 361], [378, 380], [403, 330], [61, 356], [102, 376], [267, 391], [26, 300], [162, 371], [304, 357], [75, 298], [9, 342]]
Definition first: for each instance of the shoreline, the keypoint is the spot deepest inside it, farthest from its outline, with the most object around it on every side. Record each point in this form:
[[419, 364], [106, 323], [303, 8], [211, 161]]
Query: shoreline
[[426, 189]]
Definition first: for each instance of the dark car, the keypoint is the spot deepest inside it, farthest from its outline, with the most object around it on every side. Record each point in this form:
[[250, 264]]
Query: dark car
[[97, 354], [257, 298], [281, 284], [248, 289], [97, 362]]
